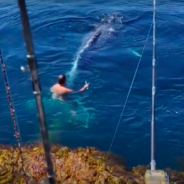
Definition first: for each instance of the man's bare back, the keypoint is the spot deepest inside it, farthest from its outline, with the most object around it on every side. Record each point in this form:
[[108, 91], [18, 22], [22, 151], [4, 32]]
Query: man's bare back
[[60, 88]]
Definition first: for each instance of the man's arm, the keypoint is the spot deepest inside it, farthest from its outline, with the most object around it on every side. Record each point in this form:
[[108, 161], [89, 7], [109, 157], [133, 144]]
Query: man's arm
[[80, 90], [67, 90], [83, 88]]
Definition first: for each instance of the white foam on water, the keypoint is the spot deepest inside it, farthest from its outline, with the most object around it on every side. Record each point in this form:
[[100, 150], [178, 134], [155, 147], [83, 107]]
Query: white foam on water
[[72, 72], [86, 44], [111, 29]]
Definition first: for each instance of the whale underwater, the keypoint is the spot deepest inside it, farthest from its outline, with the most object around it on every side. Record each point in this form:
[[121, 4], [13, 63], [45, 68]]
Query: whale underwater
[[102, 35]]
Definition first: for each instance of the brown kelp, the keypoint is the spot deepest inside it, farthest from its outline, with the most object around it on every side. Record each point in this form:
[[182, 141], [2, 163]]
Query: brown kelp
[[76, 166]]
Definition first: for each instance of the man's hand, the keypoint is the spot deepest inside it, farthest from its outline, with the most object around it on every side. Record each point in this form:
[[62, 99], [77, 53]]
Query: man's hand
[[86, 85]]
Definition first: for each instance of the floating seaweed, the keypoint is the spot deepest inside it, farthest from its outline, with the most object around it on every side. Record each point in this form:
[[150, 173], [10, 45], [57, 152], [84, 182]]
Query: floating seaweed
[[77, 166]]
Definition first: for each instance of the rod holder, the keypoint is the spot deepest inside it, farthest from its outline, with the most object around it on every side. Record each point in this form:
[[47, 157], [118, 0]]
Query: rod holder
[[156, 177]]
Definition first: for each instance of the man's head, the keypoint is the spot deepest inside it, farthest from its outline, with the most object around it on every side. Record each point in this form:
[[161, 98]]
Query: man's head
[[62, 79]]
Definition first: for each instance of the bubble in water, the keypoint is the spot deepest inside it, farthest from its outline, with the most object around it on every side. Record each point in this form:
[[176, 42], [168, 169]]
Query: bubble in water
[[23, 68]]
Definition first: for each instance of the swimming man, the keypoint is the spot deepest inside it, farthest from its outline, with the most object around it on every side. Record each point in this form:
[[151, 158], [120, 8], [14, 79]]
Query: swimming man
[[60, 89]]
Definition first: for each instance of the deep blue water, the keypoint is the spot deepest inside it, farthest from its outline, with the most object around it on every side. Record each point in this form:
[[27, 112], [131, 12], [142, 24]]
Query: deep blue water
[[60, 29]]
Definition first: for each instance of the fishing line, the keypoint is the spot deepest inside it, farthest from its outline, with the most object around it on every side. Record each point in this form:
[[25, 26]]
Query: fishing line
[[121, 115]]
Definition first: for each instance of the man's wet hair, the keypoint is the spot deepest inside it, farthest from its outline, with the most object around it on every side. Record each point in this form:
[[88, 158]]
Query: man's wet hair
[[62, 79]]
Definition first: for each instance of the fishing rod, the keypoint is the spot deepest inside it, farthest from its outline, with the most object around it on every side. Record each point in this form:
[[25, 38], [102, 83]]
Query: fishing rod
[[153, 163], [13, 115], [153, 175], [36, 88]]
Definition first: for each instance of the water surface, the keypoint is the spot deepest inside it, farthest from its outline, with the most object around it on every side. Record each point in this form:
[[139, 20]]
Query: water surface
[[60, 29]]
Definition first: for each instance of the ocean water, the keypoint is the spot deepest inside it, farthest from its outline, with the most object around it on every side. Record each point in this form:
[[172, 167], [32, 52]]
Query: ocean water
[[99, 42]]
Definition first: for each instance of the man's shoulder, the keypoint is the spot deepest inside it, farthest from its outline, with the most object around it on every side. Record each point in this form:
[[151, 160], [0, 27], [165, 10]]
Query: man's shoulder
[[56, 86], [53, 87], [59, 89]]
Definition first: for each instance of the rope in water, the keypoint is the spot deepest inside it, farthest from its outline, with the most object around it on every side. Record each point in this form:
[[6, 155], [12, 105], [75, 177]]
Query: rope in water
[[36, 88], [12, 111], [153, 163], [122, 112]]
